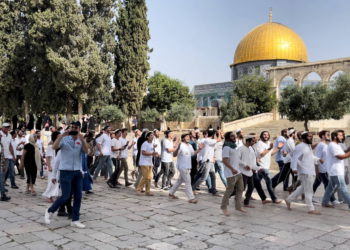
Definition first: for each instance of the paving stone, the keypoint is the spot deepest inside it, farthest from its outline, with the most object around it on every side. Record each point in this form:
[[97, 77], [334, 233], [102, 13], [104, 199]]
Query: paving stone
[[40, 245], [162, 246], [25, 238], [4, 240], [48, 235], [319, 244], [193, 244]]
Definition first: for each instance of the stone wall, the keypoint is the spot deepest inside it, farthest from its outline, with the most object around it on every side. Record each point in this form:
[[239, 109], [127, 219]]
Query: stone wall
[[247, 122], [343, 123]]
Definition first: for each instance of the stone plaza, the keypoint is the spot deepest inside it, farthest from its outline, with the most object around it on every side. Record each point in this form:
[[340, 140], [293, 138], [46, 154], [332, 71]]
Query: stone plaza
[[122, 219]]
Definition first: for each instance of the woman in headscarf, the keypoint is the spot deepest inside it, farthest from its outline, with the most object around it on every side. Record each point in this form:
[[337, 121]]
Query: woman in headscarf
[[31, 161]]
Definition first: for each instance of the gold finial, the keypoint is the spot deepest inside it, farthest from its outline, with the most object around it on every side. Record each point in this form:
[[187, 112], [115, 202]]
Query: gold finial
[[270, 15]]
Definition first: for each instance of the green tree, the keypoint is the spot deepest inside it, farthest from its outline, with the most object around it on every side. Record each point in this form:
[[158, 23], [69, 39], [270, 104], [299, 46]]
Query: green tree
[[305, 103], [179, 112], [257, 91], [235, 109], [338, 101], [150, 115], [131, 56], [70, 58], [111, 113], [163, 91]]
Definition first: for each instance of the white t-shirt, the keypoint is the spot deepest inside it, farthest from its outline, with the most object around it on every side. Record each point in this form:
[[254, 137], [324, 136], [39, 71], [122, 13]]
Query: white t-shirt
[[184, 156], [232, 154], [247, 157], [123, 142], [134, 149], [288, 147], [260, 147], [40, 144], [18, 141], [208, 149], [116, 144], [218, 151], [158, 149], [303, 159], [321, 153], [50, 152], [166, 156], [146, 160], [200, 154], [5, 141], [105, 141], [335, 166]]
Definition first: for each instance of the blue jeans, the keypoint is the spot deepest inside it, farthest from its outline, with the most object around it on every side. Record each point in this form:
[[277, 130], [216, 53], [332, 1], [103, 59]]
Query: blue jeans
[[322, 178], [219, 168], [336, 183], [70, 182], [265, 175], [10, 171]]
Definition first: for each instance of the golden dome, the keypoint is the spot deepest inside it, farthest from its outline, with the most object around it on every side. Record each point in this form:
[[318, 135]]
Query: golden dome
[[271, 41]]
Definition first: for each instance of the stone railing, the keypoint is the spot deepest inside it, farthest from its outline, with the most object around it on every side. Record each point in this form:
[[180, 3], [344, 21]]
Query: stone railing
[[247, 122]]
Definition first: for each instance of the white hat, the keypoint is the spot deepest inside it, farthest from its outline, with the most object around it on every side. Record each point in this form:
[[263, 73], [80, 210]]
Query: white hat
[[291, 131], [6, 124], [249, 136], [238, 130]]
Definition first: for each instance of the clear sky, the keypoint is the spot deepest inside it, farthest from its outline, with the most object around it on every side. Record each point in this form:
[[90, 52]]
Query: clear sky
[[194, 40]]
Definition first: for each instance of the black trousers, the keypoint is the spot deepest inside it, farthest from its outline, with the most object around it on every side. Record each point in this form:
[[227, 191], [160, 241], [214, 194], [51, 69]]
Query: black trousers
[[282, 176], [114, 177], [194, 168], [248, 181]]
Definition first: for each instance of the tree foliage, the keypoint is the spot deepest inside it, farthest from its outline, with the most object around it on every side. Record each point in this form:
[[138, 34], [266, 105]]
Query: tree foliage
[[338, 100], [252, 95], [131, 56], [111, 113], [163, 91], [305, 103], [180, 112], [150, 115]]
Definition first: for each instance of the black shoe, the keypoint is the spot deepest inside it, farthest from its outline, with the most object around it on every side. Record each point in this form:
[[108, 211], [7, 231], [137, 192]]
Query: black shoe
[[6, 185], [5, 198], [6, 190], [197, 189], [110, 185], [69, 216], [61, 214], [89, 192], [14, 187], [128, 184]]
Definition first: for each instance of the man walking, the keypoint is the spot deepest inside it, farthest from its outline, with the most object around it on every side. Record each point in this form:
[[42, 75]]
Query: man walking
[[103, 144], [303, 163], [123, 157], [71, 145]]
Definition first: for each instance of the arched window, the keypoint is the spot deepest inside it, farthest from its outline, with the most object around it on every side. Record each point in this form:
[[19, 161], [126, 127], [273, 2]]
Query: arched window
[[311, 79], [287, 81]]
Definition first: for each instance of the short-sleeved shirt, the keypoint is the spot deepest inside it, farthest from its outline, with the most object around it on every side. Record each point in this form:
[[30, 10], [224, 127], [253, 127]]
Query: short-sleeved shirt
[[279, 155], [134, 149], [18, 141], [208, 149], [71, 153], [166, 156], [105, 141], [124, 153], [260, 147], [335, 166], [321, 153], [5, 142], [184, 156], [218, 151], [158, 149], [232, 154], [146, 160], [115, 143], [29, 158]]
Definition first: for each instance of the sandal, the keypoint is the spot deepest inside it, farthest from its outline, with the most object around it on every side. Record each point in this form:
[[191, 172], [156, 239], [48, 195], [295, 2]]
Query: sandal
[[33, 193], [173, 196]]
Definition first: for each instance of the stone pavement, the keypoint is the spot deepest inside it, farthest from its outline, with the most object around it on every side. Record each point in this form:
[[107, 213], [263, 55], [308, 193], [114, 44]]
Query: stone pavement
[[121, 219]]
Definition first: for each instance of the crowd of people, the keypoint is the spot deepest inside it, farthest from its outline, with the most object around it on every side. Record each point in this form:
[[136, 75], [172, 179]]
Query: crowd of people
[[74, 161]]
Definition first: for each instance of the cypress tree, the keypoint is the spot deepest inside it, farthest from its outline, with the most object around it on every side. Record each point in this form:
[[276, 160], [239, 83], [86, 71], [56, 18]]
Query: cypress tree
[[131, 56]]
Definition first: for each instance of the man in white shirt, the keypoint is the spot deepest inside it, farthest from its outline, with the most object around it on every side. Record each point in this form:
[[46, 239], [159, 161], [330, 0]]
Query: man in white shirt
[[219, 165], [103, 144], [167, 165], [9, 154], [286, 153], [303, 164], [321, 168], [346, 170], [335, 165], [247, 164], [40, 144], [233, 175], [239, 138], [20, 142], [11, 162], [124, 154], [207, 163], [263, 150], [116, 148], [158, 148], [184, 153]]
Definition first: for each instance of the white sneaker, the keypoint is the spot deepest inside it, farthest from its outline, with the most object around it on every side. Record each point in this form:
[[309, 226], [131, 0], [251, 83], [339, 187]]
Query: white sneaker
[[77, 224], [48, 216], [336, 202]]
